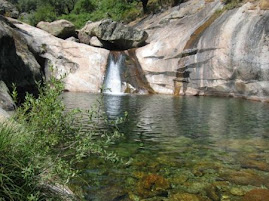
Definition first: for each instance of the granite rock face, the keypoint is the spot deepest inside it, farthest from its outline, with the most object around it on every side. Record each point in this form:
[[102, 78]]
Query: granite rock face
[[113, 35], [83, 66], [59, 28], [17, 63], [168, 34], [195, 49], [232, 57]]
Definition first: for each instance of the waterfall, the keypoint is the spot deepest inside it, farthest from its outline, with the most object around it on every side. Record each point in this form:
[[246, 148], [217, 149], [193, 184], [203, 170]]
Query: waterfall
[[113, 75]]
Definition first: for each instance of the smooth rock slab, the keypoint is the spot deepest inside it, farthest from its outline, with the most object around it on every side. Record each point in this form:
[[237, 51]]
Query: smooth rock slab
[[197, 51], [82, 66]]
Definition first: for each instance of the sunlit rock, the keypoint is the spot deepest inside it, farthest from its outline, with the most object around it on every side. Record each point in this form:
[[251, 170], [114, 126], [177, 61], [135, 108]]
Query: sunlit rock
[[59, 28], [113, 35], [82, 66], [195, 49]]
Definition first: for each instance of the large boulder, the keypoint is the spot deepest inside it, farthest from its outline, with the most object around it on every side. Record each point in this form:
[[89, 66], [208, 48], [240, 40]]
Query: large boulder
[[113, 35], [59, 28], [82, 66], [197, 51], [17, 63], [8, 9]]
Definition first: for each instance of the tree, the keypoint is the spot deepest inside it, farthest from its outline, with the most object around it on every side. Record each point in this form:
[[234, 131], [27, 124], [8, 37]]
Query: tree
[[144, 3]]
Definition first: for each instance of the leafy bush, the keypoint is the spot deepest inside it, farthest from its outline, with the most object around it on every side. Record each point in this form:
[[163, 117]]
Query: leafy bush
[[27, 5], [231, 4], [43, 143], [83, 6], [44, 13]]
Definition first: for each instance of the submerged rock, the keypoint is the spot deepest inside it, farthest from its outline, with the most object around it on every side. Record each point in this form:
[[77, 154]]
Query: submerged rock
[[244, 177], [184, 197], [254, 164], [256, 195], [113, 35], [153, 185], [114, 193], [59, 28]]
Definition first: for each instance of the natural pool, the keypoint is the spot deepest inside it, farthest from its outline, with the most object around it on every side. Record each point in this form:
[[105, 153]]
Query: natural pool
[[181, 148]]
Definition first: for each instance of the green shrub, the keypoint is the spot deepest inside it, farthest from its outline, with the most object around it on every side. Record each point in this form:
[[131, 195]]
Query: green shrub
[[27, 5], [83, 6], [44, 142], [231, 4], [44, 13], [79, 20]]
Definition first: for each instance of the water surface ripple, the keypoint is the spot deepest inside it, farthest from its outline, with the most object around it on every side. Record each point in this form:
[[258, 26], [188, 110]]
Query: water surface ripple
[[192, 148]]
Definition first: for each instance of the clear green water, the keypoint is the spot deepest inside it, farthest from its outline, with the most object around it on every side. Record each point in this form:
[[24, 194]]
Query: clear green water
[[181, 148]]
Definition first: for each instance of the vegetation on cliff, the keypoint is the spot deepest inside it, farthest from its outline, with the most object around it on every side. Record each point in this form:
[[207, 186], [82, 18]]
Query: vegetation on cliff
[[42, 143], [81, 11]]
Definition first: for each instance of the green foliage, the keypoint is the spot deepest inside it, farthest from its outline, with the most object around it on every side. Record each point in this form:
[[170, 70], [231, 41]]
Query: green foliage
[[83, 6], [231, 4], [97, 10], [27, 5], [43, 13], [44, 142], [81, 11]]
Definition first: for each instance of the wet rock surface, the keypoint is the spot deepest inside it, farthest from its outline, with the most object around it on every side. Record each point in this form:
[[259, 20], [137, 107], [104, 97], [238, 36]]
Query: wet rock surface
[[153, 185], [257, 195], [184, 197], [244, 177], [254, 164]]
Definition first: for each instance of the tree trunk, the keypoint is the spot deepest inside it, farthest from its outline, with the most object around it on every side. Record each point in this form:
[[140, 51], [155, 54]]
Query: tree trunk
[[144, 3]]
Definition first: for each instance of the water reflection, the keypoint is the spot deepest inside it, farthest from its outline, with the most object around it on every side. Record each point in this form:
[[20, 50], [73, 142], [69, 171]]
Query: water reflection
[[113, 105], [193, 143]]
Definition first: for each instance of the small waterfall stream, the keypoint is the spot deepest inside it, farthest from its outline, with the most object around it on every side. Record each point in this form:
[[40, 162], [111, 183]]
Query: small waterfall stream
[[113, 83]]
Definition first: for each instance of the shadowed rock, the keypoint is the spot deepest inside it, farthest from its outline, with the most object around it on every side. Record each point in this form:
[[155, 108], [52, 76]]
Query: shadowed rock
[[8, 9], [17, 63]]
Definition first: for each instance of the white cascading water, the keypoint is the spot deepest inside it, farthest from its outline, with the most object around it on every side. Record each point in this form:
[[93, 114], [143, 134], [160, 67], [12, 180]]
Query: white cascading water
[[113, 78]]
